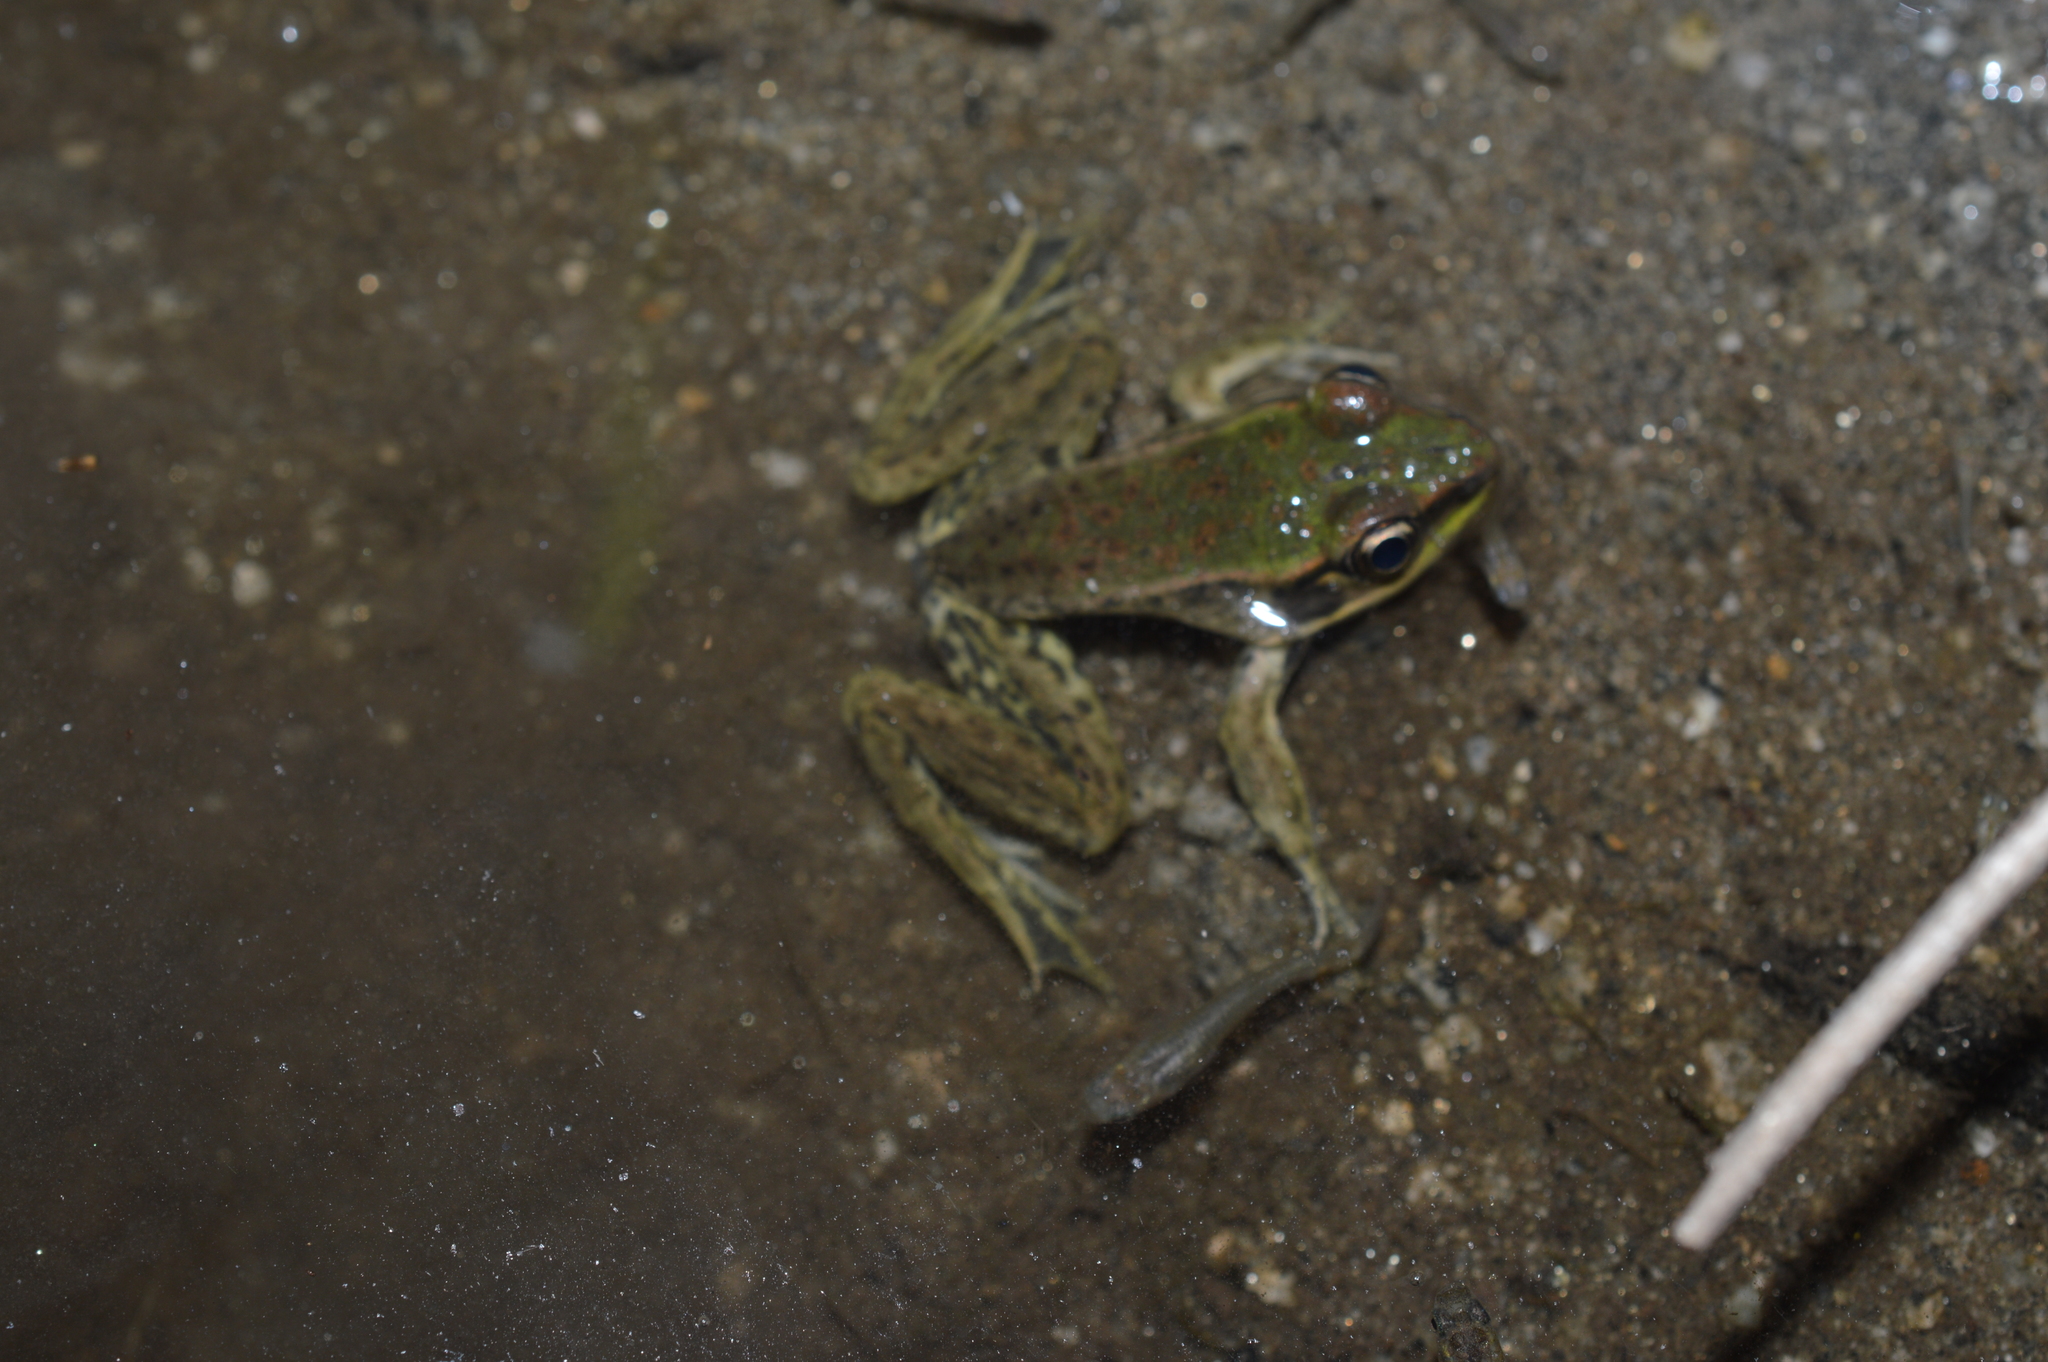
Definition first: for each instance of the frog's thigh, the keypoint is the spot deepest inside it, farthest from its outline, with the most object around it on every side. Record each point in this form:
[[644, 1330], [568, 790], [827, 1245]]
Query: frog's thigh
[[1026, 737], [899, 724], [1269, 780]]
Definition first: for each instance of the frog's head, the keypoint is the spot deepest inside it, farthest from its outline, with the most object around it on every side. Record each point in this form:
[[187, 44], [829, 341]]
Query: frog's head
[[1417, 478], [1408, 483]]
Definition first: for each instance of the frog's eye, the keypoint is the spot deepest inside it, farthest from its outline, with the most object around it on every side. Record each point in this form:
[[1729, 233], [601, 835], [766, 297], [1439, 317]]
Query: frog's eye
[[1350, 401], [1358, 373], [1384, 549]]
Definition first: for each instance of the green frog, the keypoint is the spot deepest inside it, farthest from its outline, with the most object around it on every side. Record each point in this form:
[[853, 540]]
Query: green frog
[[1266, 523]]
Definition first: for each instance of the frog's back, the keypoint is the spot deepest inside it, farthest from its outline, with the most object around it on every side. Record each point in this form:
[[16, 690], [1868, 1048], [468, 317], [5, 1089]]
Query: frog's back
[[1251, 526], [1119, 531]]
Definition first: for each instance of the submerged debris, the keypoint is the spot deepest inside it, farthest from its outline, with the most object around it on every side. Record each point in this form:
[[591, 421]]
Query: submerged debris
[[1462, 1323]]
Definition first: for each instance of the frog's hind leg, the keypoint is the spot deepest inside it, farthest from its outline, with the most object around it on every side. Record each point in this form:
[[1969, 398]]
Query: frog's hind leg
[[1268, 779], [998, 366], [1051, 762], [886, 713], [1024, 737]]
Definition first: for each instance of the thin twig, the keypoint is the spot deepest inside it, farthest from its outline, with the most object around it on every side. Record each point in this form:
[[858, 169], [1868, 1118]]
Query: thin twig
[[1792, 1104]]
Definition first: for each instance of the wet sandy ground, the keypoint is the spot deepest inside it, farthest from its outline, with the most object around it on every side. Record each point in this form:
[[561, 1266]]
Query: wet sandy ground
[[443, 917]]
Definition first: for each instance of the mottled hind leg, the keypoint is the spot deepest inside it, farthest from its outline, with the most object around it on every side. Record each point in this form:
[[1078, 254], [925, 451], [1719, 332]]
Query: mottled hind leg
[[1025, 738]]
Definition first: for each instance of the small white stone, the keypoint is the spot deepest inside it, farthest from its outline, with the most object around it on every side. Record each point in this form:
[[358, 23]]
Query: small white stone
[[780, 469], [1750, 69], [1548, 929], [1735, 1078], [249, 583], [1705, 715], [89, 367], [1395, 1118], [1271, 1285], [1693, 44]]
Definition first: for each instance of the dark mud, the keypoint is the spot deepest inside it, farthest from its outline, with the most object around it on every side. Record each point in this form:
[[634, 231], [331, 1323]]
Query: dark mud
[[443, 917]]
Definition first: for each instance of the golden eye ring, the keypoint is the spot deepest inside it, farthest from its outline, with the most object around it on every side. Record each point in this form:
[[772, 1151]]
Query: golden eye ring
[[1384, 549]]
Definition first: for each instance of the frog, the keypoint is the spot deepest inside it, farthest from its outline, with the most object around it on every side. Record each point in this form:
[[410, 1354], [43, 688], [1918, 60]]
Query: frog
[[1266, 522]]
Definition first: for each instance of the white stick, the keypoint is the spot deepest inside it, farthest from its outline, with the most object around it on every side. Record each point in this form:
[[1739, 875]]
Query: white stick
[[1792, 1104]]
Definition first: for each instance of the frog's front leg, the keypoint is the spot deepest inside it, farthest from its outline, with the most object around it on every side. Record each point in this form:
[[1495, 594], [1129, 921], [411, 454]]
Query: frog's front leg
[[1200, 388], [1024, 737], [1269, 782]]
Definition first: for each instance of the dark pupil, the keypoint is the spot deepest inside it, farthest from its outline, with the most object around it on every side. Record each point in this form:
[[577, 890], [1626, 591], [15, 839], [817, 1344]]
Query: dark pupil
[[1389, 553]]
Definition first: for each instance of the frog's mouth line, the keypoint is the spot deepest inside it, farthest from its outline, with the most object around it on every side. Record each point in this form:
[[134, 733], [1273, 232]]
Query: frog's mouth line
[[1453, 512]]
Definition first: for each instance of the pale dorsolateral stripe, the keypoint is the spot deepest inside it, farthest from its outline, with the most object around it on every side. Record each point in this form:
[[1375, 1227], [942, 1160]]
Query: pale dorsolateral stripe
[[1792, 1104]]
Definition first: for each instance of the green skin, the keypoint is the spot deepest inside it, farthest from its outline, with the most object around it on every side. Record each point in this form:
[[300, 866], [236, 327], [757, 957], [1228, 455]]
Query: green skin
[[1266, 524], [1264, 500]]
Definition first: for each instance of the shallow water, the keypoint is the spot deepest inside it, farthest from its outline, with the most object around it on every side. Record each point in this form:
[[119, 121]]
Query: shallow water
[[443, 914]]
